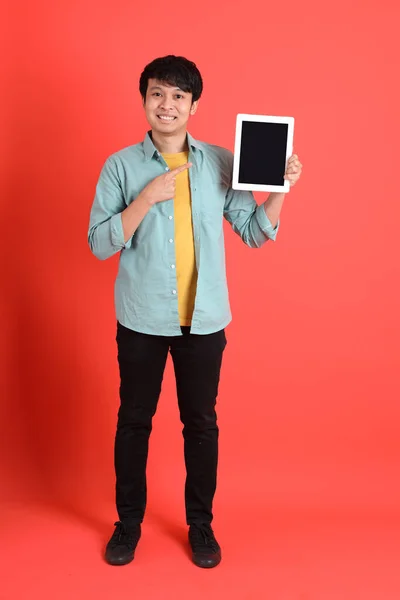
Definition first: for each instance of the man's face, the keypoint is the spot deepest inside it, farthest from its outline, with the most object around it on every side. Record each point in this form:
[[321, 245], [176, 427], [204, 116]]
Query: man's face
[[167, 107]]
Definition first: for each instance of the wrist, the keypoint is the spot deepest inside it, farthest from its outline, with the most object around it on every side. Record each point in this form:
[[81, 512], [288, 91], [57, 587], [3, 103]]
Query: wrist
[[145, 200]]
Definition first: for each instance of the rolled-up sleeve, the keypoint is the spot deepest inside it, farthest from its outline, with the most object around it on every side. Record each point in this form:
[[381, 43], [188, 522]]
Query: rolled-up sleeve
[[106, 235], [266, 224], [248, 219]]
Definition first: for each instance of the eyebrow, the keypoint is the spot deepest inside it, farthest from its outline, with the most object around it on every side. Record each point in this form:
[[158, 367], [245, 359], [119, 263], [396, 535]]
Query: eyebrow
[[158, 87]]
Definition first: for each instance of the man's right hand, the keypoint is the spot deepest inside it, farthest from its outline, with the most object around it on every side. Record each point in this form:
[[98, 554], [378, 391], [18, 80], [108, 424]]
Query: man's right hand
[[163, 187]]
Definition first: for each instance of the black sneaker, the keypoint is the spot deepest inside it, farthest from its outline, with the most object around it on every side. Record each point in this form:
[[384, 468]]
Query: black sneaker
[[121, 548], [205, 548]]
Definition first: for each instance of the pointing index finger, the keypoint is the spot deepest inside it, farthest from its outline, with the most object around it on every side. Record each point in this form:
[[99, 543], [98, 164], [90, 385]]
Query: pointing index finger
[[178, 170]]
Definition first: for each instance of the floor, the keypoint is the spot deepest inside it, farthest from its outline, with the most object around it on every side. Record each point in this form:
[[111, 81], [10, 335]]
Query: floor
[[56, 552]]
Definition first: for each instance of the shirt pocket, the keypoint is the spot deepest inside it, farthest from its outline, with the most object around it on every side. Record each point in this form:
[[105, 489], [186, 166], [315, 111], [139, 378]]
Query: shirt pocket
[[214, 199]]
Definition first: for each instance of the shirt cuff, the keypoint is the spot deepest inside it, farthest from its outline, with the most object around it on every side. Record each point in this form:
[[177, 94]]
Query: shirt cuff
[[266, 224], [117, 233]]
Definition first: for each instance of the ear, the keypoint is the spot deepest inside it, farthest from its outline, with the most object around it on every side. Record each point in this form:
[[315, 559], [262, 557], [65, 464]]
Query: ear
[[193, 108]]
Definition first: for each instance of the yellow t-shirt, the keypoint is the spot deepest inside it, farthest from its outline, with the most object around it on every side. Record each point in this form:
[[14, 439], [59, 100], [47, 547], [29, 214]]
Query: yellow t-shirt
[[186, 271]]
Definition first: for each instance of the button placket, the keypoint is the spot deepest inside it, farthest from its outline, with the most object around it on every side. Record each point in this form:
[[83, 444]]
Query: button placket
[[172, 259], [195, 208], [171, 252]]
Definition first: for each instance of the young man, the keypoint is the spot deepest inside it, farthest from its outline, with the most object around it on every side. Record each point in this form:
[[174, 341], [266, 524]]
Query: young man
[[161, 203]]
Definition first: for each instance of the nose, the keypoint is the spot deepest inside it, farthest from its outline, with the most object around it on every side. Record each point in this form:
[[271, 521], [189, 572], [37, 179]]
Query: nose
[[166, 103]]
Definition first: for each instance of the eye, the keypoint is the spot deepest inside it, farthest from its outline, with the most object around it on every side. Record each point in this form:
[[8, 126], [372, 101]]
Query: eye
[[179, 96], [156, 94]]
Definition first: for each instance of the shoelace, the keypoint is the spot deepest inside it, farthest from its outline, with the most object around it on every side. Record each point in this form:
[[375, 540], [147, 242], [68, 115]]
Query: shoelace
[[202, 537], [125, 536]]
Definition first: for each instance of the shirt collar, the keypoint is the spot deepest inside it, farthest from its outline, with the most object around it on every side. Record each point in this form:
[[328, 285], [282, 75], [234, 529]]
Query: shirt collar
[[150, 149]]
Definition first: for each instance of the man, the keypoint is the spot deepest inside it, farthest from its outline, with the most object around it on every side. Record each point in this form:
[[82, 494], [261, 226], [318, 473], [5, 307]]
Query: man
[[161, 203]]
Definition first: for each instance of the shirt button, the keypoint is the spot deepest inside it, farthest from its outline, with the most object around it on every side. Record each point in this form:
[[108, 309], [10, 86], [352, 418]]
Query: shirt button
[[166, 168], [170, 240], [170, 218], [172, 266], [174, 292]]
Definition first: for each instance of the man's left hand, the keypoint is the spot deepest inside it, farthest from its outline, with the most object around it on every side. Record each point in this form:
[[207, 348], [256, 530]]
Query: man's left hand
[[293, 169]]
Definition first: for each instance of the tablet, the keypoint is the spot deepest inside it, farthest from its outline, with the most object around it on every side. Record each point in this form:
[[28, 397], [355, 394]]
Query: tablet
[[263, 145]]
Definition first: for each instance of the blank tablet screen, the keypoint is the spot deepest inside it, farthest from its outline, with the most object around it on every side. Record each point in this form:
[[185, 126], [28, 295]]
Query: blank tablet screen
[[263, 153]]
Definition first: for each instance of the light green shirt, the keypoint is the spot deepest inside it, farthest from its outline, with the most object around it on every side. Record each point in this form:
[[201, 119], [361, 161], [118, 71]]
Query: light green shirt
[[146, 286]]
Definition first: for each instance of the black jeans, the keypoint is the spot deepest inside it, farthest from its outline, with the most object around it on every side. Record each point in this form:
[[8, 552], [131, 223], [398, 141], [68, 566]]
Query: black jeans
[[197, 362]]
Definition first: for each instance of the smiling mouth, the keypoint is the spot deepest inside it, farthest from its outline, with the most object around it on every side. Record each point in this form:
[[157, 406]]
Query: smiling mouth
[[166, 119]]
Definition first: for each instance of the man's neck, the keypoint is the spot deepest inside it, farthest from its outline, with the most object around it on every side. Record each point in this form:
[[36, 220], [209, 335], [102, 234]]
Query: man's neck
[[170, 144]]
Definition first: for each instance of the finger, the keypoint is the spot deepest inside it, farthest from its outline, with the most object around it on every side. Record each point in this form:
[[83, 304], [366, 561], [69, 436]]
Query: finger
[[178, 170]]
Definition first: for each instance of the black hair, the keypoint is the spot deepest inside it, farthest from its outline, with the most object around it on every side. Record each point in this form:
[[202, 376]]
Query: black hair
[[173, 70]]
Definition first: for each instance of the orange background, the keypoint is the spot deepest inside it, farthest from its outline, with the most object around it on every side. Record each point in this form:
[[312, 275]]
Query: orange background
[[313, 350]]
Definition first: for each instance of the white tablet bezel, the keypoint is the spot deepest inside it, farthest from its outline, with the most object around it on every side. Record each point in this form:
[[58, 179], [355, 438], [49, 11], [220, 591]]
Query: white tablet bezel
[[238, 138]]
